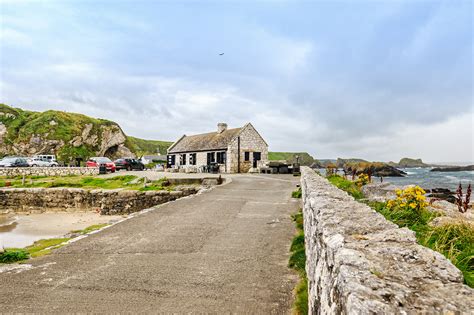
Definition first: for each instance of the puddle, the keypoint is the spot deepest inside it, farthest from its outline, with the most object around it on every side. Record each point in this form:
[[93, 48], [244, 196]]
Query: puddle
[[22, 230]]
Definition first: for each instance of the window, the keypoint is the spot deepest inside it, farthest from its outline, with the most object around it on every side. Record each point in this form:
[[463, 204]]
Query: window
[[247, 156], [221, 157], [192, 159], [183, 159], [211, 158]]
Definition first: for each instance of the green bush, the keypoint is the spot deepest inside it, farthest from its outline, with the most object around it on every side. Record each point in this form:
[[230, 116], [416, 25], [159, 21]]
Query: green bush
[[13, 255], [297, 193]]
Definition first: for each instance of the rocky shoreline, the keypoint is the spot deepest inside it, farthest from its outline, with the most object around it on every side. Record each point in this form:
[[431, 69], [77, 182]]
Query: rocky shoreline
[[453, 169]]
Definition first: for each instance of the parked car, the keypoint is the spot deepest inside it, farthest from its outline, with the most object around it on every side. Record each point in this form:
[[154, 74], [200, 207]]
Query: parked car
[[35, 161], [46, 157], [129, 164], [14, 161], [97, 161]]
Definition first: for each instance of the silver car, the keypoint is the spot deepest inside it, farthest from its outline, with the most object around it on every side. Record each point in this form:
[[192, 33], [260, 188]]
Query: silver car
[[37, 162]]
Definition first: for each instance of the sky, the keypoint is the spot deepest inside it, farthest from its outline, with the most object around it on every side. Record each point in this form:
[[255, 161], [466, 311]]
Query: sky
[[378, 80]]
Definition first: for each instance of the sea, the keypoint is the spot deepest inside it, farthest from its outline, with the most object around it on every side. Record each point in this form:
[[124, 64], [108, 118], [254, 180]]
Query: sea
[[423, 177]]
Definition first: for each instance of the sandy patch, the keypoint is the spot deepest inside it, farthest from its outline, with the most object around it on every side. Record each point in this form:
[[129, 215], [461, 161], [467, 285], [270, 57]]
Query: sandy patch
[[28, 228]]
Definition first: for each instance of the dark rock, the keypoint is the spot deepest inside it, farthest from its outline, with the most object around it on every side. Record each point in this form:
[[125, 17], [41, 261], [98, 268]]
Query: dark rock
[[453, 169]]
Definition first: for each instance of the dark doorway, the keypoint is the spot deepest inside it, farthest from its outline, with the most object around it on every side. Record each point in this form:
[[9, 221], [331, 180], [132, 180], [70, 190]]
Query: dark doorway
[[211, 158], [171, 160], [257, 156]]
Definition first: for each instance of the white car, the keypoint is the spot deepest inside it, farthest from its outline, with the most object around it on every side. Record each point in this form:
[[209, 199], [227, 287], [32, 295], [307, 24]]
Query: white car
[[37, 162]]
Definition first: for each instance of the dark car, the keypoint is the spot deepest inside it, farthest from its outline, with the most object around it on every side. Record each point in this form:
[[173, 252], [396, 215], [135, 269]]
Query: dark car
[[14, 161], [129, 164]]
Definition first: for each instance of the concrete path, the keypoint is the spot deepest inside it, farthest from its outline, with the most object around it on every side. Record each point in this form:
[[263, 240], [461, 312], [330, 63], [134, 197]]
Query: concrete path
[[225, 250]]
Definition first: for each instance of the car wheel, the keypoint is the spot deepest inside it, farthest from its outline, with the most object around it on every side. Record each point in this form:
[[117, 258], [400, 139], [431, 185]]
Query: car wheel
[[129, 168]]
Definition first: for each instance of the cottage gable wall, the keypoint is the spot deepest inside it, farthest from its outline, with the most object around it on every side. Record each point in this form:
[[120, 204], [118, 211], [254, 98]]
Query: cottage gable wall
[[250, 141]]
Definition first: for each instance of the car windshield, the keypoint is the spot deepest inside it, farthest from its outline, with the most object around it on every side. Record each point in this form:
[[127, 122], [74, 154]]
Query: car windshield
[[103, 160], [8, 160]]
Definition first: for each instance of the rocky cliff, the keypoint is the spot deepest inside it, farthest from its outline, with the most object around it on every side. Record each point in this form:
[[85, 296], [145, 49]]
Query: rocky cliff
[[67, 135], [408, 162]]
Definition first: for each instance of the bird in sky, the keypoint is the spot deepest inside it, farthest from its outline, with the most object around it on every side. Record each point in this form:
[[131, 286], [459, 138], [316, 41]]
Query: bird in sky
[[221, 54]]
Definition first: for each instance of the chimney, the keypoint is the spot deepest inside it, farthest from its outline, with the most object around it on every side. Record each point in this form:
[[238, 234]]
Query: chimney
[[221, 127]]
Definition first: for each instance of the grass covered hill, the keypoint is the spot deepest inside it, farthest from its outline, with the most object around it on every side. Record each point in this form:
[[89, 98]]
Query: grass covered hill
[[290, 157], [67, 135], [147, 147]]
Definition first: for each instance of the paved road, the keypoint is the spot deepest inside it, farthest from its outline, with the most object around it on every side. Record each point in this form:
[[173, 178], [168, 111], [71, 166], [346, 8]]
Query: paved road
[[225, 250]]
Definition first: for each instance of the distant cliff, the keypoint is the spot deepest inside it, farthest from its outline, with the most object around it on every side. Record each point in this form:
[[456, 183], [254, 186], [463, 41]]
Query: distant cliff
[[408, 162], [67, 135]]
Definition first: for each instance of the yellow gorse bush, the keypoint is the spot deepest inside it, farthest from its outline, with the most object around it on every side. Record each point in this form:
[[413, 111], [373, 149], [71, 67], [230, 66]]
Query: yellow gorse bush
[[362, 179], [409, 198]]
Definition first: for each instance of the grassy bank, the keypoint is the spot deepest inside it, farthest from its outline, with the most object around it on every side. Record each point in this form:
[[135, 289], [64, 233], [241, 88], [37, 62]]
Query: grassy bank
[[86, 182], [454, 240], [297, 262], [42, 247]]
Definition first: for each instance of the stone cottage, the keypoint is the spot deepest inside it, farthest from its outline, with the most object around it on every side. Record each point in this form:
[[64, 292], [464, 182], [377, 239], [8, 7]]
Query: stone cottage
[[236, 150]]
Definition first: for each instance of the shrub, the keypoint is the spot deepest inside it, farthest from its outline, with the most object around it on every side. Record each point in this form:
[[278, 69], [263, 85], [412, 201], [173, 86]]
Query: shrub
[[362, 179], [411, 198], [296, 193], [12, 255]]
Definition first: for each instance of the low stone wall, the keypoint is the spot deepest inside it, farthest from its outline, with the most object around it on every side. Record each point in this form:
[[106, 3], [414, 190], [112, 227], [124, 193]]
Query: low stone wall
[[359, 263], [76, 199], [48, 171]]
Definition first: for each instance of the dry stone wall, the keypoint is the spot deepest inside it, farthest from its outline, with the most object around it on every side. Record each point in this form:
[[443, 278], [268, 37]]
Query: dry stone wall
[[76, 199], [48, 171], [359, 263]]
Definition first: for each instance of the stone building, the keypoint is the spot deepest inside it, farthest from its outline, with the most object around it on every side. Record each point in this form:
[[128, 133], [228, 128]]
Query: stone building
[[236, 150]]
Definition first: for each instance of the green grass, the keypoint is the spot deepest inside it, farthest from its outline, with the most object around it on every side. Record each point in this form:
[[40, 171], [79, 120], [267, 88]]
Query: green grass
[[296, 193], [147, 147], [290, 157], [346, 185], [455, 240], [91, 228], [297, 262], [42, 247], [85, 182], [11, 255]]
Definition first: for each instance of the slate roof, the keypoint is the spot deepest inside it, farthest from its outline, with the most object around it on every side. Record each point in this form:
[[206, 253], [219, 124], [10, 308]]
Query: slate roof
[[205, 142]]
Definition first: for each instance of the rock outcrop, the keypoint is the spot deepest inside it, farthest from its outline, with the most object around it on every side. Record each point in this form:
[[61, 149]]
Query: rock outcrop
[[453, 169], [373, 168], [408, 162], [67, 135]]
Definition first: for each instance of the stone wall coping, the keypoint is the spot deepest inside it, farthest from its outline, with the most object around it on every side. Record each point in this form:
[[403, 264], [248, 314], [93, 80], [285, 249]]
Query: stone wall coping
[[360, 263]]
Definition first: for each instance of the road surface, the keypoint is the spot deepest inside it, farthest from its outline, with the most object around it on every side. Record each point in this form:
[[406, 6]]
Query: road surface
[[225, 250]]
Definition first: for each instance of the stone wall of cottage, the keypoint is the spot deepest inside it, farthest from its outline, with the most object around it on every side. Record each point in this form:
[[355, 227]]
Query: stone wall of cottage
[[107, 202], [250, 141], [201, 160], [359, 263], [48, 171]]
